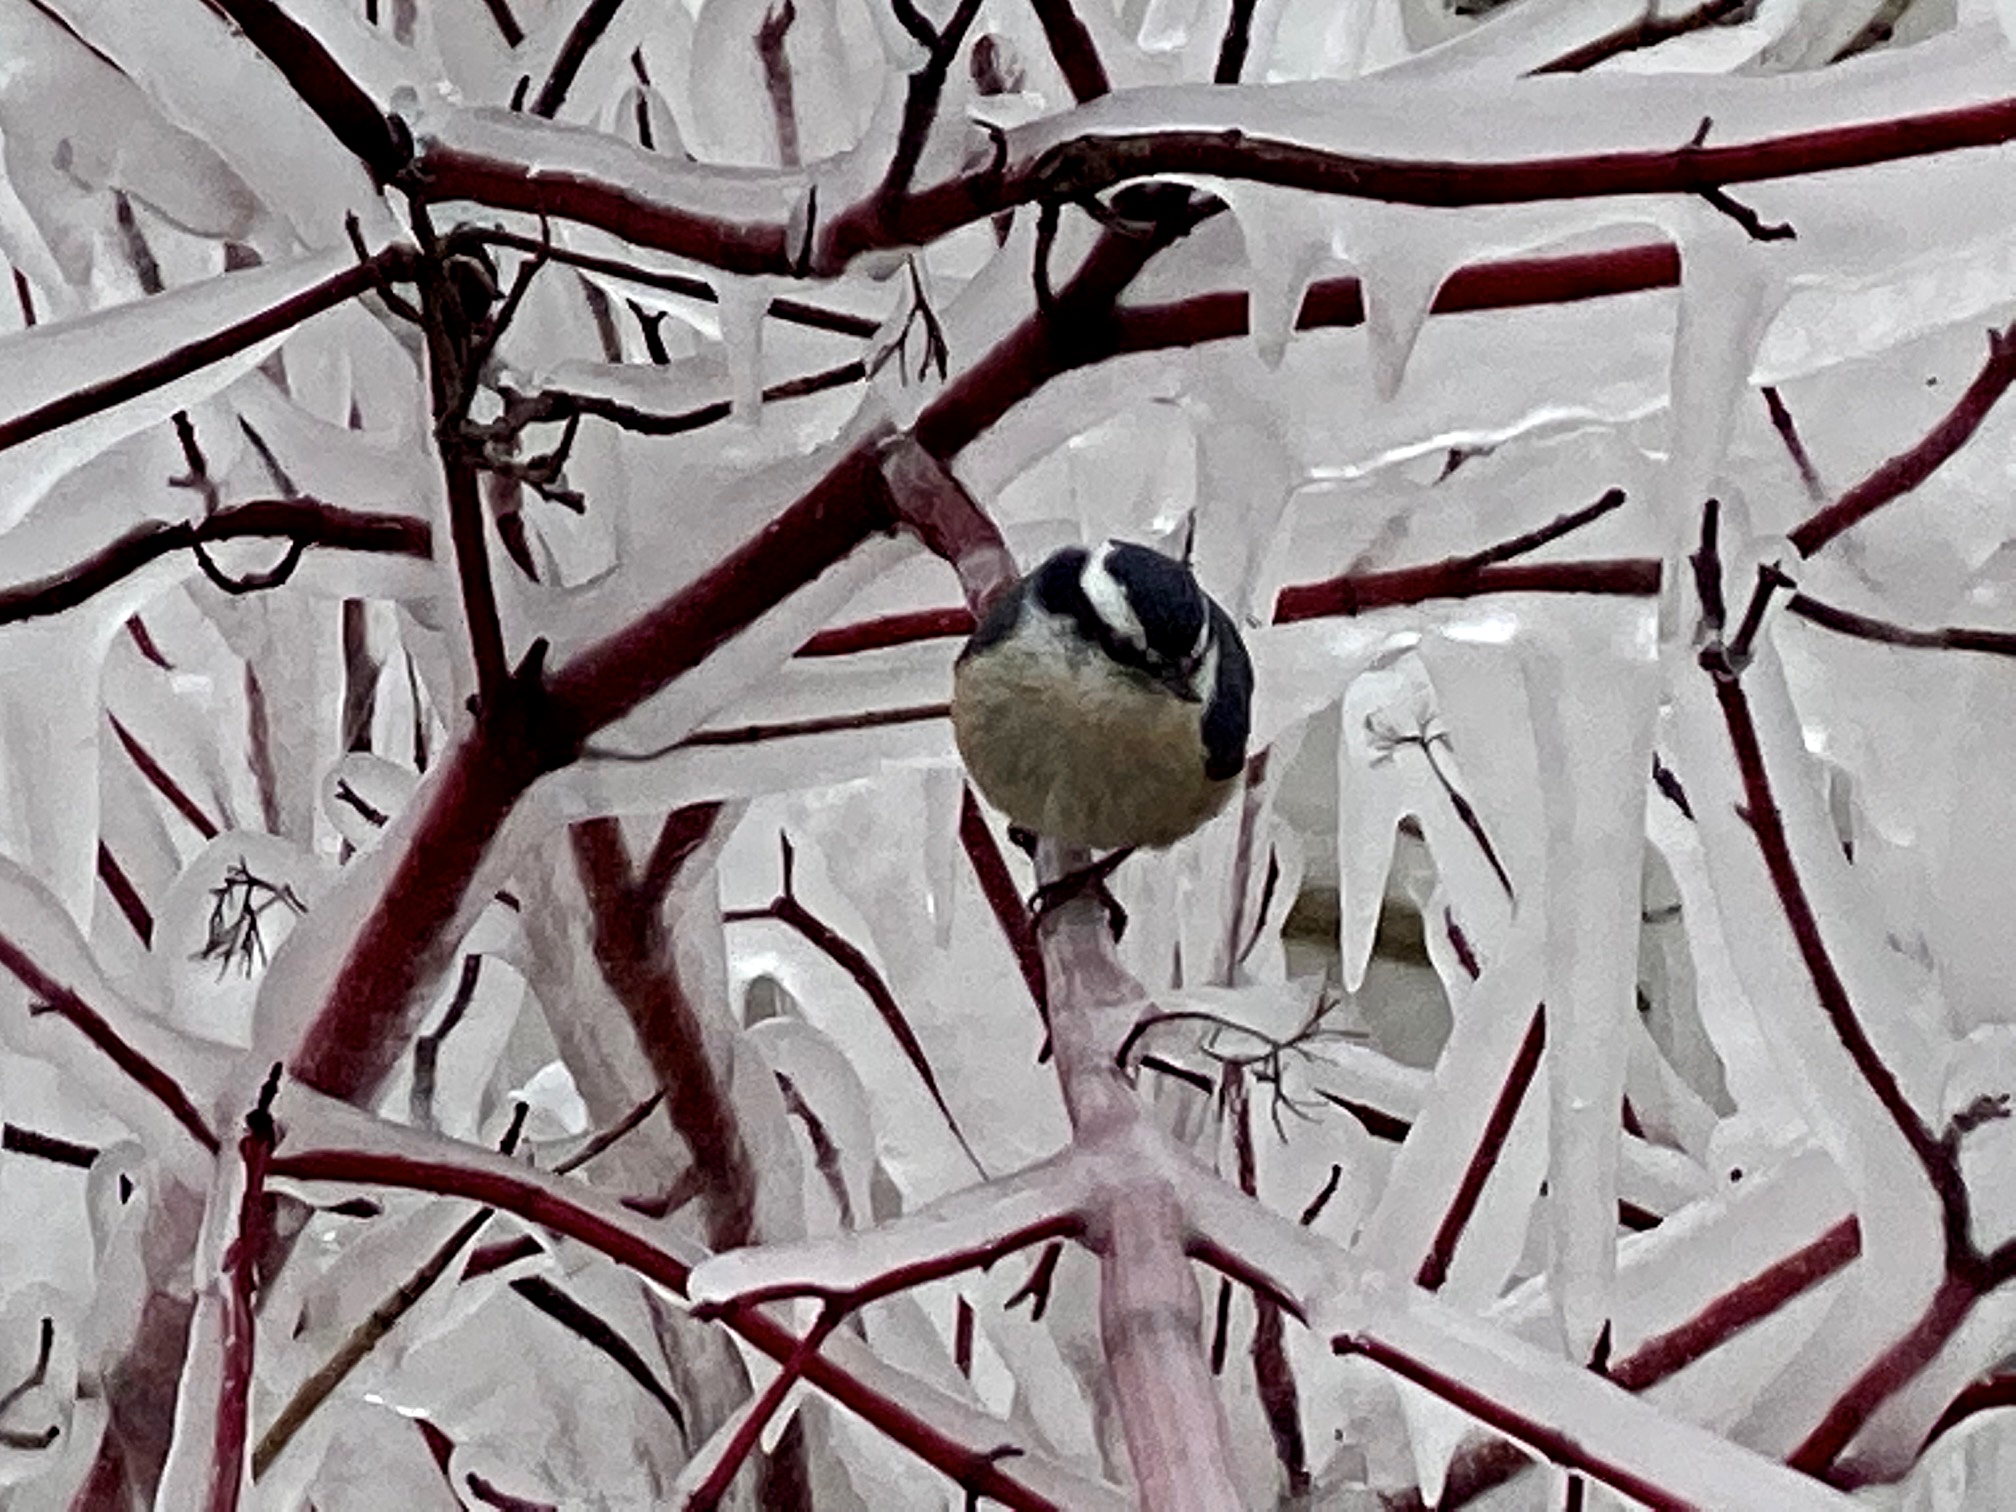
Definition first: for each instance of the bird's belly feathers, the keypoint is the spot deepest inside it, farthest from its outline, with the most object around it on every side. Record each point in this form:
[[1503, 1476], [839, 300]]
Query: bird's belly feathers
[[1078, 752]]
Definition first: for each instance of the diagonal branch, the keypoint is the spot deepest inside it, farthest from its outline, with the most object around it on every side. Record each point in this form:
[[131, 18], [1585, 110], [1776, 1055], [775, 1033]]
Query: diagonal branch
[[1909, 468], [352, 116], [926, 1424], [587, 30], [93, 398]]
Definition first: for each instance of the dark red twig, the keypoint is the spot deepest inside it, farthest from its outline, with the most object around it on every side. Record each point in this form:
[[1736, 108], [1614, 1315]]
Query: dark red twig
[[777, 78], [351, 115], [33, 1143], [47, 995], [1359, 593], [234, 1391], [158, 779], [580, 41], [125, 894], [786, 909], [991, 1476], [633, 954], [1865, 627], [78, 403], [602, 1336], [1435, 1264], [1072, 46], [707, 1495], [1649, 31], [1788, 432], [1905, 471]]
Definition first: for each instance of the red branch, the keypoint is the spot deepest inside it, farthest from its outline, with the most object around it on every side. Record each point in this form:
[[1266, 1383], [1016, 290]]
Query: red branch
[[158, 778], [707, 1495], [1484, 1159], [1542, 1438], [1736, 1309], [51, 996], [990, 868], [1908, 469], [581, 38], [635, 960], [304, 520], [1864, 627], [241, 1256], [78, 403], [788, 910], [1072, 46], [979, 1472], [367, 1013], [350, 114]]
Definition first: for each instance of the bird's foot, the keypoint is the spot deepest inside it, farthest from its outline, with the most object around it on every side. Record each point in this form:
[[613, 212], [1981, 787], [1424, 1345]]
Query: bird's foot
[[1086, 879]]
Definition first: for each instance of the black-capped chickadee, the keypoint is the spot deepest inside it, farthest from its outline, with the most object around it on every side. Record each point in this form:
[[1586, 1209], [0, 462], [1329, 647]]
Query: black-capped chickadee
[[1105, 700]]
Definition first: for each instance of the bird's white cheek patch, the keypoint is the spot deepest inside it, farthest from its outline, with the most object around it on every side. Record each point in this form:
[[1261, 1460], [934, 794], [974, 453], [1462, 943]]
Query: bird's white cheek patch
[[1109, 600]]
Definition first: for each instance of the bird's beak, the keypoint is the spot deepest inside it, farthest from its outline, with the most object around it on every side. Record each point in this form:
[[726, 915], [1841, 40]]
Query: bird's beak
[[1178, 681]]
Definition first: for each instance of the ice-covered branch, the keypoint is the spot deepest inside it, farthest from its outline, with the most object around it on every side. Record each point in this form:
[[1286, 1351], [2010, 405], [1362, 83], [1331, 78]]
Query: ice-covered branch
[[302, 522], [968, 1230], [48, 995], [929, 1425], [240, 1330], [651, 203], [587, 30], [1484, 1467], [352, 116], [1571, 1416], [1911, 467], [93, 395], [1648, 31], [788, 910], [1434, 1269], [634, 956], [1970, 1272], [1072, 46], [1884, 632]]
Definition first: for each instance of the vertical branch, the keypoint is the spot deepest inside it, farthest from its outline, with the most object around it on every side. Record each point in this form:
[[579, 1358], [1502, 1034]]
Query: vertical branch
[[634, 957], [777, 78], [1150, 1315], [1236, 43], [234, 1392], [1273, 1376]]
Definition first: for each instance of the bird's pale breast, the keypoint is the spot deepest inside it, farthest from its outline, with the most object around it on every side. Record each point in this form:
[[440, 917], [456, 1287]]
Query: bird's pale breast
[[1069, 746]]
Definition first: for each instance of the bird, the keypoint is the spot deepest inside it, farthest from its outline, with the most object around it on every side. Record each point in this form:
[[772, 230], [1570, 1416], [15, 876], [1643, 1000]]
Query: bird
[[1105, 700]]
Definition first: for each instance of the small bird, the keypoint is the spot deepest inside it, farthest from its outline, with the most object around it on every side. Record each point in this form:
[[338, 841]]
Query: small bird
[[1105, 700]]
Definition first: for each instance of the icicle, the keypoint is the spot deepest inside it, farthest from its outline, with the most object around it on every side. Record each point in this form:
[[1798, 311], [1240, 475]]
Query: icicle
[[1290, 238], [743, 303], [1593, 669]]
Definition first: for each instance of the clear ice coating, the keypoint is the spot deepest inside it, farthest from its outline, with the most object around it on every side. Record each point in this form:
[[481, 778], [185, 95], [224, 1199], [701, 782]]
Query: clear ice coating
[[1582, 976]]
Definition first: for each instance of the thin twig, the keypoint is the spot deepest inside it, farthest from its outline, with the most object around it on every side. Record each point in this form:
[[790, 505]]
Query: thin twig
[[1788, 432], [580, 41], [365, 1337], [1908, 469], [777, 78], [239, 1330], [1434, 1269]]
